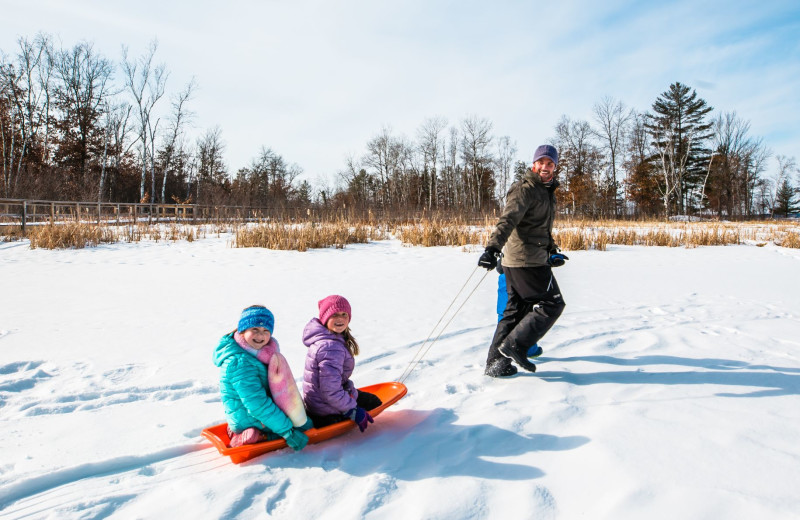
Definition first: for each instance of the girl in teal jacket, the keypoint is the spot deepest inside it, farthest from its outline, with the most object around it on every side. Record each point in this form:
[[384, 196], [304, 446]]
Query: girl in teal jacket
[[242, 357]]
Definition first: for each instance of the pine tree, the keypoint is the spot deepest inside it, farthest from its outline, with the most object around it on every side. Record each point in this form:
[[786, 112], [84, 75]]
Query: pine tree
[[785, 202], [679, 130]]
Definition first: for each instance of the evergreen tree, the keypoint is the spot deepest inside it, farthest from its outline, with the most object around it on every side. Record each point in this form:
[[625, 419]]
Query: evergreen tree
[[679, 129], [785, 202]]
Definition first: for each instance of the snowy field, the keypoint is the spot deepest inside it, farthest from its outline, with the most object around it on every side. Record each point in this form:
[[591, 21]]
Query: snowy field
[[669, 388]]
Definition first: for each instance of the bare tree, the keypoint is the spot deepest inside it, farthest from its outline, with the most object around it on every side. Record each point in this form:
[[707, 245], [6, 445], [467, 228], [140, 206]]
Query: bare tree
[[641, 175], [108, 128], [612, 118], [359, 185], [735, 166], [408, 175], [506, 158], [83, 84], [7, 127], [578, 164], [476, 139], [147, 83], [672, 161], [152, 129], [45, 74], [430, 141], [385, 155], [271, 178], [455, 189], [210, 164], [180, 116], [26, 84]]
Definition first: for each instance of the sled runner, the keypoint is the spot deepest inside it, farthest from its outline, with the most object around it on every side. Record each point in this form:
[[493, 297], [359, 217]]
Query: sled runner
[[389, 393]]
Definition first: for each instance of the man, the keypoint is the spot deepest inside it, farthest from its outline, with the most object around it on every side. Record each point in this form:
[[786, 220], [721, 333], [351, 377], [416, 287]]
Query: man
[[534, 299]]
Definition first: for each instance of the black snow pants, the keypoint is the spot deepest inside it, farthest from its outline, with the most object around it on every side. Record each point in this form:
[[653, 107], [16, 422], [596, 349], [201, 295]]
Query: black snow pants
[[534, 305]]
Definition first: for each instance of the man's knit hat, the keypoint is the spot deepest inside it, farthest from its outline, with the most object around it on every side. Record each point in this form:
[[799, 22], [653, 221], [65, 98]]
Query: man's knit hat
[[256, 316], [546, 151], [331, 305]]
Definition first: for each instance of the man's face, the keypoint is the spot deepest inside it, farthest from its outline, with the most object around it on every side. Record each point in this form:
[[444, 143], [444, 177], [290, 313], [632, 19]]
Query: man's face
[[544, 167]]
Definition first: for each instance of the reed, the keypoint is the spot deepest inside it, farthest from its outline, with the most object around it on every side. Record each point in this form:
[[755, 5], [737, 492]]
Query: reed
[[569, 234], [431, 233], [791, 240], [81, 235], [70, 235], [576, 235], [305, 236]]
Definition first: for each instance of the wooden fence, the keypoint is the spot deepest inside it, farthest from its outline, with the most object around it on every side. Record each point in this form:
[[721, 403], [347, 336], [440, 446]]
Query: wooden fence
[[22, 213]]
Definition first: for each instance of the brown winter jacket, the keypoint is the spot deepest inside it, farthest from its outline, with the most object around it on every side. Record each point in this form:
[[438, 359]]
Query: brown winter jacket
[[526, 225]]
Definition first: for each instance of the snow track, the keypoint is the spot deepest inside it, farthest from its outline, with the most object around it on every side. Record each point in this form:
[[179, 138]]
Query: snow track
[[669, 388]]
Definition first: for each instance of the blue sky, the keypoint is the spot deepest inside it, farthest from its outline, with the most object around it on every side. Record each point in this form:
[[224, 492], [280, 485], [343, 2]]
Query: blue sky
[[316, 80]]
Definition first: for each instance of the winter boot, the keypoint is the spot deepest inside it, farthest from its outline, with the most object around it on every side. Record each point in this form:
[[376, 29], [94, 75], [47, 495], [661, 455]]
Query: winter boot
[[535, 351], [520, 357], [500, 368]]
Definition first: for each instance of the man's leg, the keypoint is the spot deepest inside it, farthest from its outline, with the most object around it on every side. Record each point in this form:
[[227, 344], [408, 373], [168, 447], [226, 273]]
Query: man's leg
[[534, 325], [542, 306], [496, 363]]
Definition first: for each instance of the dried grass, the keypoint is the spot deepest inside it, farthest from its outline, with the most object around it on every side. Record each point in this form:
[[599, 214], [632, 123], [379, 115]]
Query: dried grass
[[432, 233], [571, 235], [791, 240], [302, 237], [10, 233], [577, 235], [81, 235], [71, 235]]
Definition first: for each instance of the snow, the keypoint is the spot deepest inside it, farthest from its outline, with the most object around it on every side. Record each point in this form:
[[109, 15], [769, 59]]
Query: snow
[[668, 388]]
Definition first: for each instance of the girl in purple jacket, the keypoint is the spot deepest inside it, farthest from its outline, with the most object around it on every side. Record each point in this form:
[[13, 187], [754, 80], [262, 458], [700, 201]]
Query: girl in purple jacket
[[329, 394]]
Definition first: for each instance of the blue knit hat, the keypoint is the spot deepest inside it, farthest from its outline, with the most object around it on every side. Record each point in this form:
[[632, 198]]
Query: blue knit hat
[[546, 151], [256, 316]]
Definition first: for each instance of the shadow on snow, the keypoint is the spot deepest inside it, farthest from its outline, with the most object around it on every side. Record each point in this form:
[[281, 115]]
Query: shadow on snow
[[772, 381], [418, 444]]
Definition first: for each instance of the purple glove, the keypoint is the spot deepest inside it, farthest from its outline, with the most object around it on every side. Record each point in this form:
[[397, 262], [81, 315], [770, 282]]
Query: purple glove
[[361, 417]]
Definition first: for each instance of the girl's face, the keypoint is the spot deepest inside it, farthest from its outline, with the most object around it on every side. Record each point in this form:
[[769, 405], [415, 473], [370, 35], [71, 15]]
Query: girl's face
[[338, 322], [256, 337]]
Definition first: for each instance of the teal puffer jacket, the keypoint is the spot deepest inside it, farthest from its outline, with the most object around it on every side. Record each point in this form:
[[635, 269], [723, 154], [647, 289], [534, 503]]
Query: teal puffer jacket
[[245, 391]]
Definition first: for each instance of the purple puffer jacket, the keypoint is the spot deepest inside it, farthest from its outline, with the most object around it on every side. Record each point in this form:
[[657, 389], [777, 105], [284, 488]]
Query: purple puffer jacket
[[327, 388]]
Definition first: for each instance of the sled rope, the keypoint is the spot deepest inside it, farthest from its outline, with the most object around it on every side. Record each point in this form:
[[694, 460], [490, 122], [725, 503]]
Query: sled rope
[[420, 353]]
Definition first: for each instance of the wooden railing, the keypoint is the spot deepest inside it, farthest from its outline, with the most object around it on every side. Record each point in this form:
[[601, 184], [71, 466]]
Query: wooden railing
[[22, 213]]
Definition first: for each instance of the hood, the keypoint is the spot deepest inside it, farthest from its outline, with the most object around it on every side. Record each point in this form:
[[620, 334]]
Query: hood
[[315, 331], [227, 347]]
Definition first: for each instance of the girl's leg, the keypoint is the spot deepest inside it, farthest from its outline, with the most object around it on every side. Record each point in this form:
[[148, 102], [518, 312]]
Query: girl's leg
[[248, 436], [368, 401], [321, 421]]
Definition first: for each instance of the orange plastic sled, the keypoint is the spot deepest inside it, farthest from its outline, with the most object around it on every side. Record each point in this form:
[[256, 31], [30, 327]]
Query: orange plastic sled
[[389, 393]]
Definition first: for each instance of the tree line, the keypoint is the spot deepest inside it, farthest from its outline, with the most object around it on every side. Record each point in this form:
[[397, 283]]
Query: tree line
[[76, 125]]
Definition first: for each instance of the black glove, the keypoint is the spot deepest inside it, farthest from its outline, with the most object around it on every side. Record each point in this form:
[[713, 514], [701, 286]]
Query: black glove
[[488, 259], [557, 260]]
